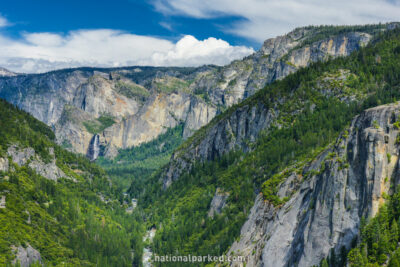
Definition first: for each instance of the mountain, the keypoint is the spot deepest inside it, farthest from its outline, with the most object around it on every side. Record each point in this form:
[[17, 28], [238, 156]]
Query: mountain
[[328, 197], [288, 157], [98, 111], [292, 175], [6, 73], [246, 122], [57, 208]]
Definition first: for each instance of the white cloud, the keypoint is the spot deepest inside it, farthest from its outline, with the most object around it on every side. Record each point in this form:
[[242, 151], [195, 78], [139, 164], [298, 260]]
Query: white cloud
[[3, 22], [40, 52], [166, 25], [268, 18], [189, 52]]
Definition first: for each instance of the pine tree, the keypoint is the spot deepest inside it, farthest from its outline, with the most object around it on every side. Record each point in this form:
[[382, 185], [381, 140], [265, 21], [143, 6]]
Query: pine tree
[[324, 263], [355, 258], [394, 234]]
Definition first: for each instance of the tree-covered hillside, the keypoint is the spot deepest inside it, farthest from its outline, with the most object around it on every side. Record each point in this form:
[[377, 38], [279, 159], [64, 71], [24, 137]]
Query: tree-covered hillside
[[75, 220], [71, 212], [315, 104], [132, 167]]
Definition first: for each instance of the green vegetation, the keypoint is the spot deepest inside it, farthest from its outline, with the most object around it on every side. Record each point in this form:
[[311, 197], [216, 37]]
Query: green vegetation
[[270, 189], [17, 127], [81, 220], [379, 237], [232, 83], [324, 32], [171, 85], [77, 221], [134, 165], [202, 94], [98, 125], [309, 120], [375, 124], [132, 90], [328, 31], [396, 124]]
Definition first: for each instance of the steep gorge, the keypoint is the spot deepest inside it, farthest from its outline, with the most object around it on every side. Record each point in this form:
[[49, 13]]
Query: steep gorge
[[263, 148], [272, 147]]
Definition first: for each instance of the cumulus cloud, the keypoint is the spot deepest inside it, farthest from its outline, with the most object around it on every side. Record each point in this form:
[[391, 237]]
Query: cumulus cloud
[[268, 18], [190, 52], [40, 52]]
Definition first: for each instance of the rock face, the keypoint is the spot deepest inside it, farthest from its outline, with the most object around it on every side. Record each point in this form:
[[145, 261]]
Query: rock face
[[28, 156], [159, 113], [6, 73], [234, 131], [218, 202], [328, 199], [4, 164], [27, 256], [126, 107], [94, 147], [80, 104], [277, 58]]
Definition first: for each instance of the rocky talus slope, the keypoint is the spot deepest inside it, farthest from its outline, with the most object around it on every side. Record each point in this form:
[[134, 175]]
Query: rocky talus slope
[[128, 106], [328, 197]]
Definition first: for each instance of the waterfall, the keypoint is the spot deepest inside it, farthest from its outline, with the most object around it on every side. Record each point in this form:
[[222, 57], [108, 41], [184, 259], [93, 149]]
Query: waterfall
[[94, 147]]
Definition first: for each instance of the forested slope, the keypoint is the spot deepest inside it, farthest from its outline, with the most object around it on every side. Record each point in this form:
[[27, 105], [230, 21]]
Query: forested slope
[[307, 111], [58, 208]]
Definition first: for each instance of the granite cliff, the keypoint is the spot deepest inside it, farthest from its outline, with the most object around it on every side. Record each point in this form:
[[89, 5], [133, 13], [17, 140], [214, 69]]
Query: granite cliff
[[277, 58], [328, 198], [128, 106], [317, 151]]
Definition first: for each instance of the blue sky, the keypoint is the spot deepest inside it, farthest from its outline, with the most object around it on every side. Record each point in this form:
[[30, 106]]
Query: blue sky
[[134, 16], [41, 35]]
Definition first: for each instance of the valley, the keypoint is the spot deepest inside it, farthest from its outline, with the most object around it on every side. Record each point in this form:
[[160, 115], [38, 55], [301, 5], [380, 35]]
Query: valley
[[289, 157]]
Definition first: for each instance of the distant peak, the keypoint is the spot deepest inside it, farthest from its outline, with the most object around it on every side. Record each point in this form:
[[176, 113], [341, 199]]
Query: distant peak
[[6, 73]]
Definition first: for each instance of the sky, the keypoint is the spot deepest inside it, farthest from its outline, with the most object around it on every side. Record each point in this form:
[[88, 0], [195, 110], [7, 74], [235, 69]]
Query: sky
[[43, 35]]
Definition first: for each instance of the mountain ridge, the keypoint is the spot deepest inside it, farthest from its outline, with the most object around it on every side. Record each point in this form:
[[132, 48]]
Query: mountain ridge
[[316, 104], [196, 94], [309, 152]]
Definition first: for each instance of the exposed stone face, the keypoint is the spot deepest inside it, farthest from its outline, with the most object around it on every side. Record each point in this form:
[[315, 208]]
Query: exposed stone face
[[4, 164], [69, 100], [6, 73], [218, 202], [199, 114], [27, 256], [98, 96], [145, 101], [326, 208], [28, 156], [45, 95], [243, 125], [71, 132], [158, 113], [277, 58]]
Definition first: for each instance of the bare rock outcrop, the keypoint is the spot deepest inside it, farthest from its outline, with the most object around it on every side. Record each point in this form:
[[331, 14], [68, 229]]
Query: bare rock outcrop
[[327, 200], [129, 106], [26, 256], [27, 156]]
